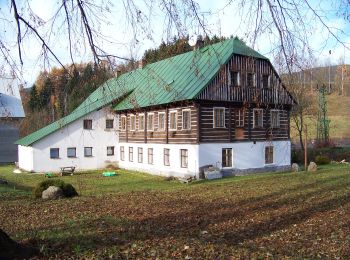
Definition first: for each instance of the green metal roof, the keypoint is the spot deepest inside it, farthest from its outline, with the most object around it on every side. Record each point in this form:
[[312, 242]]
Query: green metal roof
[[181, 77]]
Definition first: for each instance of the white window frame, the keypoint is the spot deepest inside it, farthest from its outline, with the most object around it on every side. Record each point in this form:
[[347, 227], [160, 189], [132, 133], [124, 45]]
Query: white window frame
[[163, 128], [122, 153], [132, 124], [148, 122], [131, 154], [277, 119], [123, 126], [262, 117], [150, 155], [184, 158], [108, 120], [112, 149], [139, 154], [273, 155], [143, 125], [189, 119], [166, 163], [224, 119], [240, 120], [173, 112]]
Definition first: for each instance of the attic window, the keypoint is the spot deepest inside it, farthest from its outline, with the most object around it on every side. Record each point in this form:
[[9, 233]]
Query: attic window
[[88, 124], [250, 79], [266, 81], [234, 78]]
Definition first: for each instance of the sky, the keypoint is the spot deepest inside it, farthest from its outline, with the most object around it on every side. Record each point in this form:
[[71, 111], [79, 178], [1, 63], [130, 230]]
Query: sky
[[118, 36]]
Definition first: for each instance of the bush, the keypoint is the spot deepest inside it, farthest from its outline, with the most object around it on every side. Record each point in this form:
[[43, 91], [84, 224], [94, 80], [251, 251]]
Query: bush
[[68, 189], [322, 159]]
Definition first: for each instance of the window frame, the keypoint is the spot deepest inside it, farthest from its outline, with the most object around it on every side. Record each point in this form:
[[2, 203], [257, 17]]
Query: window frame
[[122, 153], [214, 117], [163, 114], [139, 120], [226, 157], [150, 155], [148, 121], [253, 79], [184, 158], [234, 81], [123, 123], [139, 154], [112, 154], [278, 119], [75, 152], [173, 112], [262, 118], [87, 147], [132, 123], [108, 120], [268, 81], [269, 151], [87, 126], [166, 157], [58, 153], [187, 110], [240, 119], [131, 154]]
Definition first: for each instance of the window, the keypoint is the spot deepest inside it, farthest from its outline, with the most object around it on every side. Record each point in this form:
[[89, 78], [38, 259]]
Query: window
[[132, 122], [166, 156], [150, 121], [88, 151], [141, 122], [184, 158], [219, 117], [150, 155], [186, 119], [250, 79], [275, 118], [172, 120], [234, 79], [123, 123], [240, 120], [140, 154], [110, 150], [71, 152], [268, 154], [87, 124], [122, 155], [257, 118], [109, 123], [161, 121], [266, 81], [227, 157], [131, 154], [54, 153]]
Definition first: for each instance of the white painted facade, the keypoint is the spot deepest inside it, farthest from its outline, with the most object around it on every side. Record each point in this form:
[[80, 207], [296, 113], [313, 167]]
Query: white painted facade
[[37, 156]]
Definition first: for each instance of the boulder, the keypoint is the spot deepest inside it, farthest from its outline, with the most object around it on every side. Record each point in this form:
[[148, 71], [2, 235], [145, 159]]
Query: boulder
[[295, 167], [312, 167], [52, 193]]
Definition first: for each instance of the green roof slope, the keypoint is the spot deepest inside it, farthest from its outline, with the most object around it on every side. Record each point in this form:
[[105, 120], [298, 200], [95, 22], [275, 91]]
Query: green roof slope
[[178, 78]]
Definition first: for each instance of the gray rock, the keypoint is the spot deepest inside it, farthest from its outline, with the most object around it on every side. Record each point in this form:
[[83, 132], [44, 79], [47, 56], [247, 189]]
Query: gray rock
[[295, 167], [52, 193], [312, 167]]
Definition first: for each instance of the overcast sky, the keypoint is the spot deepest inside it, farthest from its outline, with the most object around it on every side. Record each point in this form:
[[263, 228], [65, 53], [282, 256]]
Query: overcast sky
[[220, 20]]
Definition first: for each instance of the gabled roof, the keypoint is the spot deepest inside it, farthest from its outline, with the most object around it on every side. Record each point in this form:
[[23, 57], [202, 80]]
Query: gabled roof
[[10, 99], [178, 78]]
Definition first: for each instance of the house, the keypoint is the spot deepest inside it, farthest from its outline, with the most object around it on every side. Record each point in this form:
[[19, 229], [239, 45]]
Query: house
[[222, 105], [11, 113]]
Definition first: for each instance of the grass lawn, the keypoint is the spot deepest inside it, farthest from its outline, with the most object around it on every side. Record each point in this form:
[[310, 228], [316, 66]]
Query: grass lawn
[[134, 215]]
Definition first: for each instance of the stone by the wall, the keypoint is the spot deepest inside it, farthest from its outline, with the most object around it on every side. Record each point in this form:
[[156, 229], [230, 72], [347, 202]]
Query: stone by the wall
[[295, 167], [312, 167], [52, 192]]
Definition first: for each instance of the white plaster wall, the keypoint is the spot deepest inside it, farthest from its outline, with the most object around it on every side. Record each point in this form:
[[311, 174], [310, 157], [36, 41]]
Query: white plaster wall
[[246, 154], [25, 158], [73, 135], [158, 167]]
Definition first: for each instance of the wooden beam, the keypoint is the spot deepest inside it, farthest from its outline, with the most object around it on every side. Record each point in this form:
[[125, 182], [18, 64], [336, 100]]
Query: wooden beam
[[230, 124], [145, 129], [166, 125], [250, 123], [198, 113], [126, 126]]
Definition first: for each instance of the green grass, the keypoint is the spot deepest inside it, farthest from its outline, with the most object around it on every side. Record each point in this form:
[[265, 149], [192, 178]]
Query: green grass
[[135, 215]]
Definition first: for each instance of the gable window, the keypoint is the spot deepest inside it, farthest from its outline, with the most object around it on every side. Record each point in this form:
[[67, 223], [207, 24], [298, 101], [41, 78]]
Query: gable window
[[275, 118], [251, 79], [140, 154], [88, 151], [123, 123], [234, 78], [172, 120], [87, 124], [227, 157], [109, 123], [131, 154], [184, 158], [150, 121], [54, 153], [122, 154], [186, 119], [266, 81], [161, 121], [257, 118], [132, 122], [166, 157], [240, 119], [219, 117], [268, 154], [71, 152], [110, 150], [150, 155], [141, 122]]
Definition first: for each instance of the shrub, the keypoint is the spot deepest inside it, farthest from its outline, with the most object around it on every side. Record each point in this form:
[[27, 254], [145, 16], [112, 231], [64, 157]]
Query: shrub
[[322, 159], [68, 189]]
